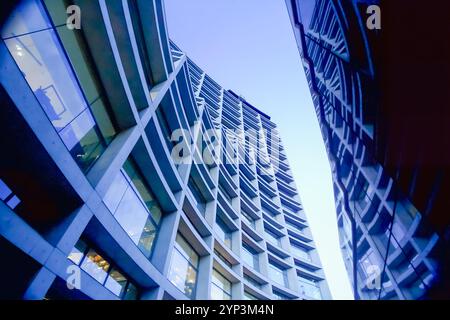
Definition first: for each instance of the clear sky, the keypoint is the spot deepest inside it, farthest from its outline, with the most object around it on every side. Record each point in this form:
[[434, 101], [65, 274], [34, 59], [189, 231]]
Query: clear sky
[[248, 46]]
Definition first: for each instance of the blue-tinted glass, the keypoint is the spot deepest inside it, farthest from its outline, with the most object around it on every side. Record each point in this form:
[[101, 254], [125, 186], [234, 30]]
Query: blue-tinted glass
[[28, 16], [143, 190], [306, 9], [77, 252], [95, 266], [182, 274], [277, 275], [36, 50], [223, 232], [132, 215], [115, 193], [300, 252], [250, 257], [43, 64], [309, 287], [131, 292], [220, 287], [78, 129], [130, 211], [116, 282], [248, 296]]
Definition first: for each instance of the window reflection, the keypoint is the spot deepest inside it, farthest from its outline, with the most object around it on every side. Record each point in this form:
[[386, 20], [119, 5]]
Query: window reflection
[[252, 281], [278, 275], [249, 296], [198, 195], [116, 282], [27, 17], [183, 267], [279, 296], [250, 257], [309, 287], [101, 270], [95, 265], [220, 287], [134, 206], [246, 217], [300, 252], [223, 232], [273, 238], [36, 49]]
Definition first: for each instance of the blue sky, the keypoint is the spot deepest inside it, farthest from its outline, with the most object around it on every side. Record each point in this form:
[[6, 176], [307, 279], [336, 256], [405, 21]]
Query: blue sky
[[248, 46]]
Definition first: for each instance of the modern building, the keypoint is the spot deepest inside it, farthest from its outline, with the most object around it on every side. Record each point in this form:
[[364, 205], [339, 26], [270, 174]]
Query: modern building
[[388, 152], [128, 173]]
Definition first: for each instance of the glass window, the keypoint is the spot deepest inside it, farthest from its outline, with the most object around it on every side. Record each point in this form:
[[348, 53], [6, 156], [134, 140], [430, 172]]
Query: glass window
[[78, 54], [273, 238], [223, 232], [115, 192], [278, 275], [198, 195], [220, 287], [293, 225], [95, 266], [367, 262], [34, 45], [43, 64], [101, 270], [309, 287], [248, 296], [29, 16], [134, 206], [143, 189], [116, 282], [250, 257], [252, 281], [183, 267], [221, 257], [300, 252], [248, 219], [165, 128], [225, 193], [82, 139], [131, 293], [269, 213], [280, 296], [134, 219], [77, 253]]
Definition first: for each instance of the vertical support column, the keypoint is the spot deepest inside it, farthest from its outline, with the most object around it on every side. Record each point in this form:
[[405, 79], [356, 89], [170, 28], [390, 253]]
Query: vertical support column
[[165, 241], [204, 275], [39, 285]]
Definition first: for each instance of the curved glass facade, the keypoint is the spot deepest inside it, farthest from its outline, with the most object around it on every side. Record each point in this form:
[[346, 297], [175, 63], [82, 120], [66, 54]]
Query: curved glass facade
[[131, 174], [389, 249]]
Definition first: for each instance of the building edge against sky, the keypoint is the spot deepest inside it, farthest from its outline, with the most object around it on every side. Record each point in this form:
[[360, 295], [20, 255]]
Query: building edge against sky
[[389, 187], [91, 194]]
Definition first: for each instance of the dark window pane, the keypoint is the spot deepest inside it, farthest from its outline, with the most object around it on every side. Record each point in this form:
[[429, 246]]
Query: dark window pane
[[116, 282]]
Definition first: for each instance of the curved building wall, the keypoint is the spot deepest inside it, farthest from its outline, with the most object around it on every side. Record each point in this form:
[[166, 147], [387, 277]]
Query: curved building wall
[[131, 174], [389, 249]]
